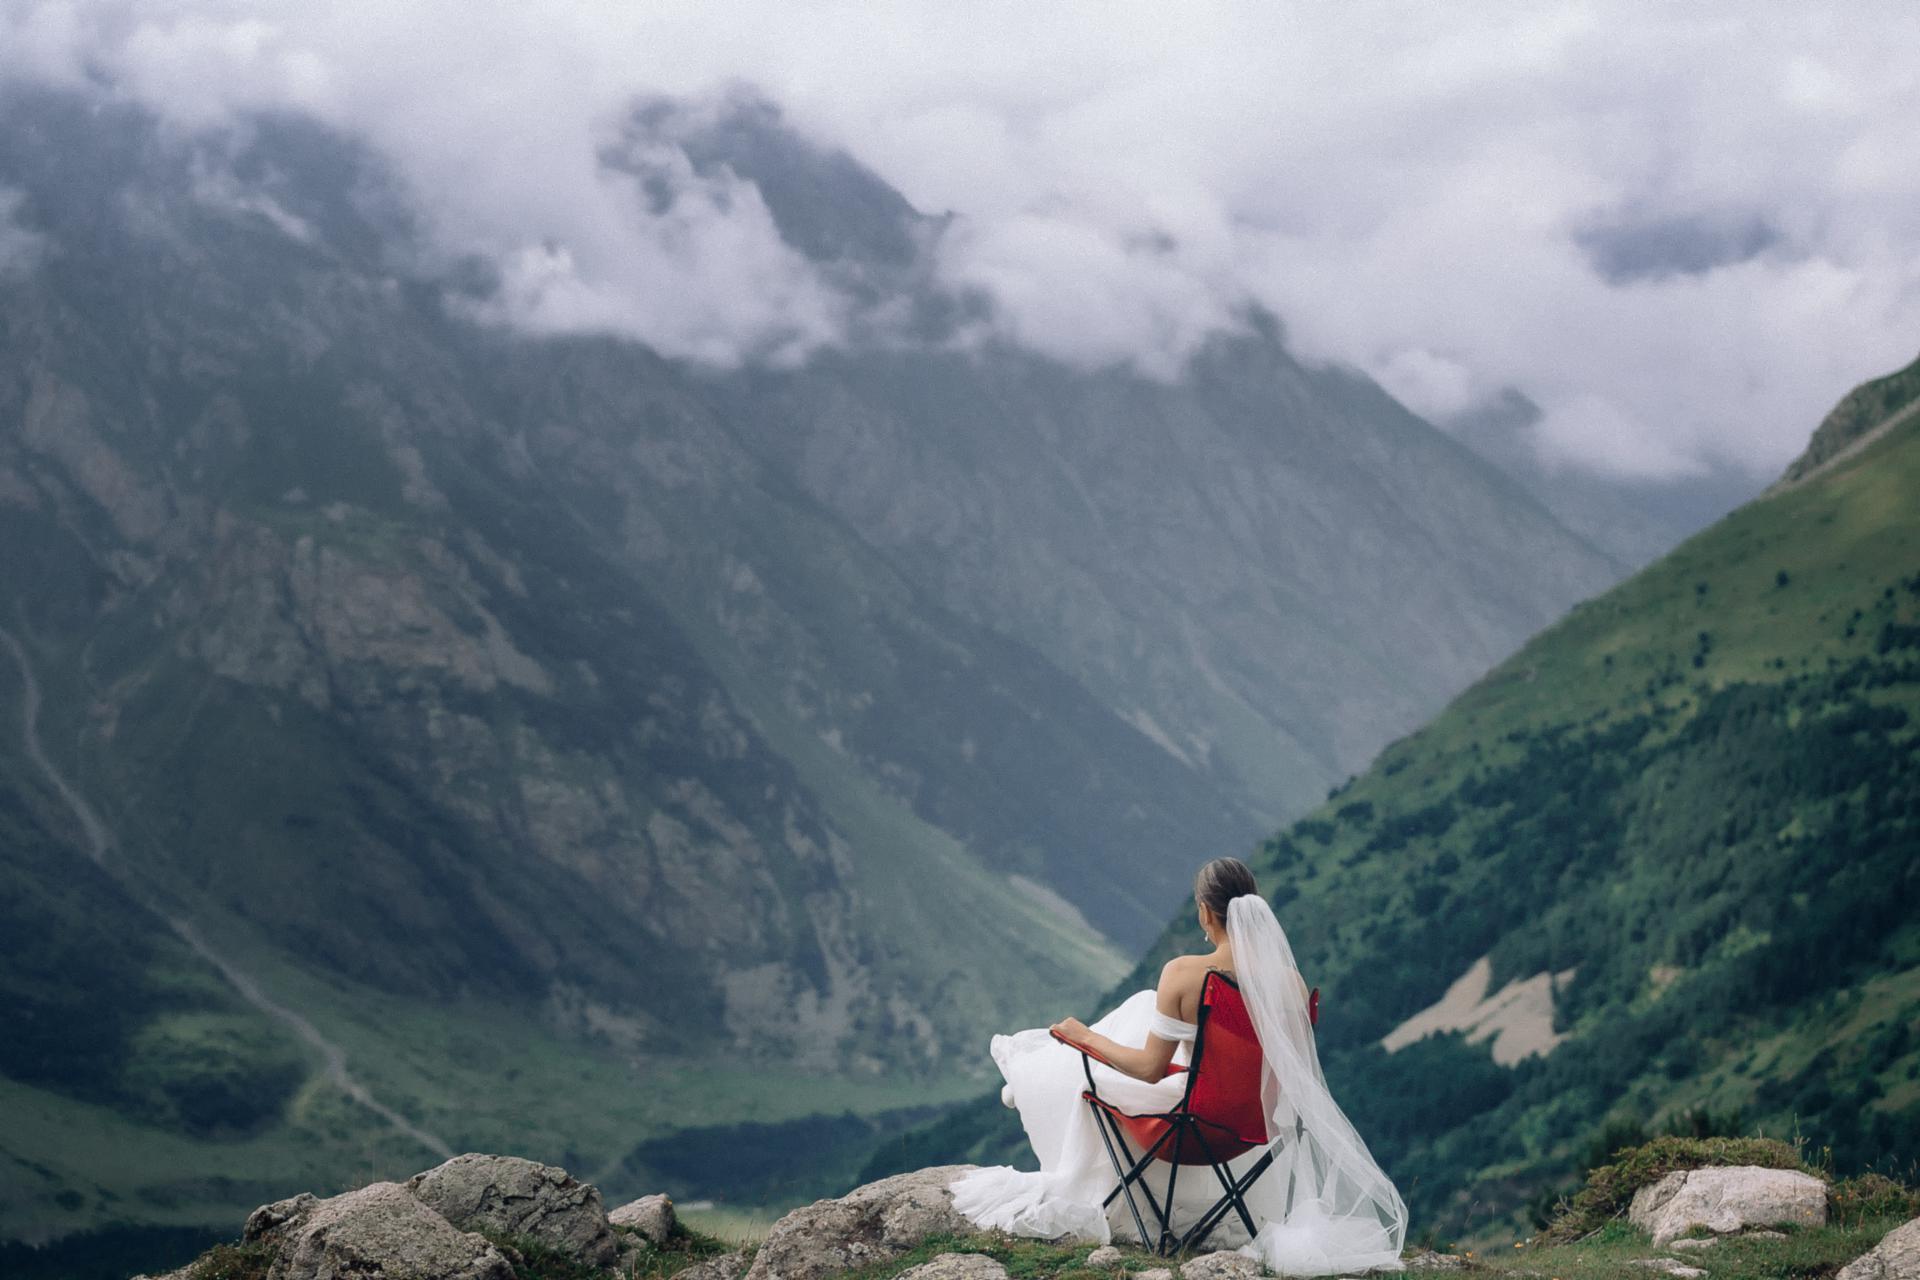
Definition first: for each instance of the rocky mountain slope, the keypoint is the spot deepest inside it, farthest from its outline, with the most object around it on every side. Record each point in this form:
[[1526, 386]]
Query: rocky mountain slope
[[429, 718], [1657, 867]]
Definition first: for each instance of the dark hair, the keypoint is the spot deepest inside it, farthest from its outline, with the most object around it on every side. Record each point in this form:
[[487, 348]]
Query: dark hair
[[1220, 882]]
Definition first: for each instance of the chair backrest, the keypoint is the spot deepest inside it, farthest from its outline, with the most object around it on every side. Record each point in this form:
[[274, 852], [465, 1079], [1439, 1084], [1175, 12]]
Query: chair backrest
[[1223, 1079]]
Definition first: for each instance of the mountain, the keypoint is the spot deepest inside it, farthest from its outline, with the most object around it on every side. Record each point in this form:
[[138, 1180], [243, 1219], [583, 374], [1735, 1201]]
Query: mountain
[[424, 734], [1634, 520], [1658, 867]]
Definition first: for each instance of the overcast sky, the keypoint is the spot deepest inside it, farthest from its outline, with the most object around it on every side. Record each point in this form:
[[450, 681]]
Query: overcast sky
[[1681, 229]]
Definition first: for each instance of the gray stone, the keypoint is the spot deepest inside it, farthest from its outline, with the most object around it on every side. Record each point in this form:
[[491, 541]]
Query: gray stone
[[1703, 1242], [1105, 1256], [1896, 1257], [728, 1266], [651, 1216], [1221, 1265], [869, 1224], [1763, 1235], [1672, 1266], [521, 1197], [957, 1266], [271, 1221], [1157, 1273], [1432, 1260], [1727, 1199], [381, 1232]]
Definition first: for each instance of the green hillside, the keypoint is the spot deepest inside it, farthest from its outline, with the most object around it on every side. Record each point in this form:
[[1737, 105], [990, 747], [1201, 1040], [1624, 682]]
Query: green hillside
[[1698, 793]]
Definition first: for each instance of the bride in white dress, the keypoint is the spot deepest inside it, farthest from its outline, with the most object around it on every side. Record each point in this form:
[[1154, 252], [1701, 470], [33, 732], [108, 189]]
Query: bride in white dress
[[1323, 1208]]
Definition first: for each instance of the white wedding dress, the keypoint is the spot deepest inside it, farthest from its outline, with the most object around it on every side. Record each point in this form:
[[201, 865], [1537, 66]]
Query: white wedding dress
[[1323, 1208]]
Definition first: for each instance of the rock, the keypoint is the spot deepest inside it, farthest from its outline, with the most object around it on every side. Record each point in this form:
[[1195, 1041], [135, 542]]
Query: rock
[[1763, 1235], [1157, 1273], [1221, 1265], [1672, 1266], [520, 1197], [1896, 1257], [869, 1224], [728, 1266], [1727, 1199], [1105, 1256], [382, 1232], [651, 1216], [1704, 1242], [271, 1221], [1432, 1260], [957, 1266]]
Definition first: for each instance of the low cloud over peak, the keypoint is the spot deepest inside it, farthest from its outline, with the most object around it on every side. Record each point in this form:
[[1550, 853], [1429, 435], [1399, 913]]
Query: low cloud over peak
[[1678, 232]]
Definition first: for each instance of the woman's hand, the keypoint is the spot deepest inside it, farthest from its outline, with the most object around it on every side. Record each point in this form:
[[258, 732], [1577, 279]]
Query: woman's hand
[[1073, 1029]]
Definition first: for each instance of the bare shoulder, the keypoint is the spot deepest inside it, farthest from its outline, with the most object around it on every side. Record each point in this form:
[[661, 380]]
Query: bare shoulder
[[1183, 972]]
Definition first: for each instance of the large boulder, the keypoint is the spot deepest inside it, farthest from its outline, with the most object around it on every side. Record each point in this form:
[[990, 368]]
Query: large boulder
[[381, 1232], [1727, 1199], [874, 1223], [651, 1216], [521, 1197], [1896, 1257]]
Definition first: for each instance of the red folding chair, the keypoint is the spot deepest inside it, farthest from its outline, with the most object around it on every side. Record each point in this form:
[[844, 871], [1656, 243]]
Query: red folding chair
[[1219, 1118]]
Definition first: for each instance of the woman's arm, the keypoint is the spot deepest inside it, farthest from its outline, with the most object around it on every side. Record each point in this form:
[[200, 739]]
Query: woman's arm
[[1151, 1063]]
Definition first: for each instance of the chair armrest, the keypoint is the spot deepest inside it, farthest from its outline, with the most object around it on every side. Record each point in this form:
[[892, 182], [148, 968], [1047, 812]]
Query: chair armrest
[[1095, 1054]]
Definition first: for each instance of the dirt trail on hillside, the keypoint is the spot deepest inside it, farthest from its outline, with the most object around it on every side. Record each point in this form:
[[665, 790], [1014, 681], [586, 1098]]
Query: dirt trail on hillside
[[100, 846]]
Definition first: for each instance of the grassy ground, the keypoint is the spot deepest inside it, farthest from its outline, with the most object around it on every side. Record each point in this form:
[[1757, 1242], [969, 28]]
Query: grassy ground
[[1808, 1253], [1613, 1253]]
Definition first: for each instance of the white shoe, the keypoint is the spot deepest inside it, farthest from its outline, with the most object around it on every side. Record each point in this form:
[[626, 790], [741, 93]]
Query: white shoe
[[1006, 1095]]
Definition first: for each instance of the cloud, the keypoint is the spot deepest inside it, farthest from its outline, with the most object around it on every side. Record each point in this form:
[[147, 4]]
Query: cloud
[[1624, 248], [497, 122], [1680, 231], [20, 246]]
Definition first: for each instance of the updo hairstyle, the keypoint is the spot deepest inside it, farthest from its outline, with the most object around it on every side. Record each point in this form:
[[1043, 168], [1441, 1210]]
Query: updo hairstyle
[[1220, 882]]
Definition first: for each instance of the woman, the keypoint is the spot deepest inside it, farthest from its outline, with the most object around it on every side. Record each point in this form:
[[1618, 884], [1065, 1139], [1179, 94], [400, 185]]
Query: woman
[[1345, 1214]]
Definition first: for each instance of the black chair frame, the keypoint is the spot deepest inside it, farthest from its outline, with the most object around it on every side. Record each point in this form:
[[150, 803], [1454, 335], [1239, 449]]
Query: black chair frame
[[1183, 1127]]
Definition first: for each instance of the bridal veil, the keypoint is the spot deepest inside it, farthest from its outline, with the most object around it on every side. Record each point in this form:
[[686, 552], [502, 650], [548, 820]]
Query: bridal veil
[[1336, 1210]]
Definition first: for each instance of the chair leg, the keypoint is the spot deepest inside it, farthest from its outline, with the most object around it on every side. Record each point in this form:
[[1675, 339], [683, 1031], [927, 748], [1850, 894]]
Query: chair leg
[[1235, 1192], [1100, 1121], [1137, 1177], [1167, 1242], [1233, 1197]]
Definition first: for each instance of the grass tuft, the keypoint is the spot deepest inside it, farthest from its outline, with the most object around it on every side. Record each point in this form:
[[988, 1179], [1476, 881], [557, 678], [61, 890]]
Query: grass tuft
[[534, 1259], [682, 1248], [1871, 1195], [234, 1262]]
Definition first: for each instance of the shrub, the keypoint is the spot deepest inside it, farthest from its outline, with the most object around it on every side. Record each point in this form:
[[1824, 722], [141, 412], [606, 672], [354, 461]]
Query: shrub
[[1871, 1195], [233, 1262], [1610, 1187], [533, 1259]]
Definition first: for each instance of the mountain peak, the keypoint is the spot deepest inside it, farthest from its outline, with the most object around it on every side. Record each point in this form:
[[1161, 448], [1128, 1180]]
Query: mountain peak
[[1862, 414]]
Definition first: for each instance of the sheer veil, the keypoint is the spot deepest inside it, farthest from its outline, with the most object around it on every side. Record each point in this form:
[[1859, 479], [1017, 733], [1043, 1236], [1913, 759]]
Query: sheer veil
[[1342, 1213]]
